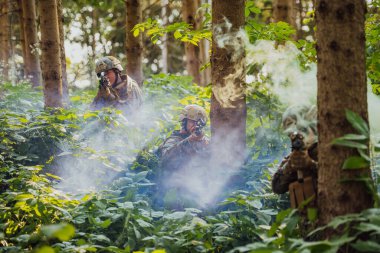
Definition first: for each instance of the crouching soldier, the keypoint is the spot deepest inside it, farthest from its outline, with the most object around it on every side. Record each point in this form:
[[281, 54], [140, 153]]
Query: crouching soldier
[[115, 89], [181, 154], [298, 171]]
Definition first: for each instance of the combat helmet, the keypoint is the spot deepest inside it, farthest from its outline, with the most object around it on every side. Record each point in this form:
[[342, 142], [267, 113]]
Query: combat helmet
[[107, 63], [193, 112]]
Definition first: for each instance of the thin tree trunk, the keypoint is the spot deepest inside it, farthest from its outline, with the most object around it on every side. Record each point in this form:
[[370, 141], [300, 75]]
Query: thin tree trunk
[[31, 58], [228, 107], [92, 55], [164, 47], [51, 55], [341, 85], [4, 39], [189, 8], [22, 32], [283, 10], [204, 56], [133, 44], [301, 18], [65, 85]]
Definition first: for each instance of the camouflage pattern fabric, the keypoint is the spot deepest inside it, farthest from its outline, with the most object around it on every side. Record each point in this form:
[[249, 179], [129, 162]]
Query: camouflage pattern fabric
[[178, 157], [177, 150], [284, 176], [125, 93]]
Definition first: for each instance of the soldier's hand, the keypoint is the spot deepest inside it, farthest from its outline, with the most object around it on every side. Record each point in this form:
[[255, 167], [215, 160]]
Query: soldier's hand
[[193, 137], [104, 92]]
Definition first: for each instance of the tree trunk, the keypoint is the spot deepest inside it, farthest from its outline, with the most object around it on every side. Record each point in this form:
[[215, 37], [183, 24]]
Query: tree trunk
[[284, 10], [164, 47], [31, 58], [341, 85], [189, 8], [133, 44], [4, 39], [204, 56], [228, 107], [65, 85], [22, 32], [51, 55]]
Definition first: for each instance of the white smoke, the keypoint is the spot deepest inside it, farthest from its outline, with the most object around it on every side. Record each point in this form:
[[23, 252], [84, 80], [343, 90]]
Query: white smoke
[[291, 84], [374, 119]]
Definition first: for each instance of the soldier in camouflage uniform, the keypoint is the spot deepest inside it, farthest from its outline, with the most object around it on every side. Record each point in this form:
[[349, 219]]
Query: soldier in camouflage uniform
[[115, 89], [183, 151], [182, 144], [300, 123]]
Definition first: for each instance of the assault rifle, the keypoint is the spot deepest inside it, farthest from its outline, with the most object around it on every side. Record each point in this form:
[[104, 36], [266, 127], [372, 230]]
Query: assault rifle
[[299, 159], [199, 125], [104, 85], [103, 81]]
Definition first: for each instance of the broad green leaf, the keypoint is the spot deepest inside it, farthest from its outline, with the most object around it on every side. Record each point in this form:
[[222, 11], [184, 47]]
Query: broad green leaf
[[62, 231], [350, 144], [177, 34], [89, 115], [136, 32], [357, 122], [312, 214], [355, 162], [354, 137], [45, 249], [366, 246], [106, 223]]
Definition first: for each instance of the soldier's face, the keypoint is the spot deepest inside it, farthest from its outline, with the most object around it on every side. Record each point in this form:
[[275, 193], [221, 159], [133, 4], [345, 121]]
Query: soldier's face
[[111, 75], [190, 125]]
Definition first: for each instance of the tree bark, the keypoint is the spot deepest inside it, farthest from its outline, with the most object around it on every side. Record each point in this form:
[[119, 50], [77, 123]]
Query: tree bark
[[189, 8], [133, 44], [4, 39], [164, 47], [341, 85], [284, 10], [51, 55], [204, 56], [65, 85], [22, 32], [31, 58], [228, 107]]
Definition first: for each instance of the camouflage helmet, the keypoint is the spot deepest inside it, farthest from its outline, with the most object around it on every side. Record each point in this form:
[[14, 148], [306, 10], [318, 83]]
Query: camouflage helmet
[[302, 119], [107, 63], [193, 112]]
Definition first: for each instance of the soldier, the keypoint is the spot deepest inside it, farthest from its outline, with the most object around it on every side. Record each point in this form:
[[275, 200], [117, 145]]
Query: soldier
[[115, 89], [297, 173], [187, 142], [182, 152]]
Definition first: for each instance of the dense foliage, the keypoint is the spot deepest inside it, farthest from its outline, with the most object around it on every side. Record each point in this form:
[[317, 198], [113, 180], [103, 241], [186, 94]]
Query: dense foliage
[[43, 212], [76, 180]]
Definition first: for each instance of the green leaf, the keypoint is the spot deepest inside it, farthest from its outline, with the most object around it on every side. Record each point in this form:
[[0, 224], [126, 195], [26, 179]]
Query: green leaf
[[312, 214], [177, 34], [62, 231], [136, 32], [357, 122], [355, 162], [106, 223], [366, 246], [350, 144], [354, 137], [45, 249]]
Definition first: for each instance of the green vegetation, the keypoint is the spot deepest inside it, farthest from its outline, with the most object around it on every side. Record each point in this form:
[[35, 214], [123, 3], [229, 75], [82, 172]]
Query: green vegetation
[[121, 217]]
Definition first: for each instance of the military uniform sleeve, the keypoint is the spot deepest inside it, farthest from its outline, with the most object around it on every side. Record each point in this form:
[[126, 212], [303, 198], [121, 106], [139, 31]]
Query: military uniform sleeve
[[104, 97], [134, 93], [175, 148], [281, 180]]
